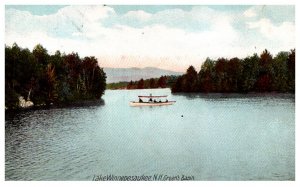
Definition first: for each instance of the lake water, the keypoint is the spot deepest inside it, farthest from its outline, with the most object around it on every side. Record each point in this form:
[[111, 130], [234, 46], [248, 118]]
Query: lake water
[[207, 136]]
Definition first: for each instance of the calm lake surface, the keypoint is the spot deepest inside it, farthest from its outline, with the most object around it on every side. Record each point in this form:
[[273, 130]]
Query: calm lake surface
[[219, 137]]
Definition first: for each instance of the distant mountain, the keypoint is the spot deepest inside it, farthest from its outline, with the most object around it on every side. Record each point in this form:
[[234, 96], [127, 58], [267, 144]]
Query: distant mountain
[[134, 74]]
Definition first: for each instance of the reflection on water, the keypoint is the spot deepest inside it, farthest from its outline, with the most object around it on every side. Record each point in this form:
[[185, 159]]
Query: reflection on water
[[209, 136], [289, 96]]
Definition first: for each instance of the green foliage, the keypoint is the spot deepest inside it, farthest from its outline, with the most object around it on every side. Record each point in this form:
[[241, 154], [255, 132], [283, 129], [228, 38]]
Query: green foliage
[[255, 73], [291, 71], [190, 80], [250, 71], [46, 79], [207, 76], [280, 72], [118, 85]]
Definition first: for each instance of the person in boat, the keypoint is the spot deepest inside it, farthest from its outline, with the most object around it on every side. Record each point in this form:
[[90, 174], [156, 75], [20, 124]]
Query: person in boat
[[154, 101], [150, 100], [160, 101], [167, 100]]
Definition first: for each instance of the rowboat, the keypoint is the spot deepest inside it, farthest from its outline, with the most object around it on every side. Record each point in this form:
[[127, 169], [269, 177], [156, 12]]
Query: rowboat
[[152, 101]]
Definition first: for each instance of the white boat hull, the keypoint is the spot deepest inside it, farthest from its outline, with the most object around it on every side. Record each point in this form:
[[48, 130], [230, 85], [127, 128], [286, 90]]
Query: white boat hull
[[151, 103]]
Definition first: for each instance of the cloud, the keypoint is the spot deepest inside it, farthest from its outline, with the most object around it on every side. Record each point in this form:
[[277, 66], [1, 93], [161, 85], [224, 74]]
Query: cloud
[[283, 32], [276, 13], [171, 39], [139, 15], [250, 13], [199, 18], [61, 24]]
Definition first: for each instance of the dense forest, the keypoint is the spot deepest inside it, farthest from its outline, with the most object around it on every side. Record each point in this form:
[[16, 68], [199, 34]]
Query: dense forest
[[161, 82], [48, 79], [263, 73]]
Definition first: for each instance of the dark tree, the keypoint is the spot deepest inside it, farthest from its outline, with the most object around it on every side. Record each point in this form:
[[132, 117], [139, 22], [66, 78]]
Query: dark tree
[[130, 85], [264, 81], [265, 58], [152, 83], [190, 79], [45, 79], [249, 73], [177, 87], [280, 72], [40, 54], [140, 84], [234, 72], [255, 73], [222, 83], [162, 82], [207, 76], [291, 68]]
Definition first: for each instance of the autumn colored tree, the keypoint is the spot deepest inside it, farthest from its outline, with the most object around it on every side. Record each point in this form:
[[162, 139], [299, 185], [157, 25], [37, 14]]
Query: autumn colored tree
[[265, 58], [264, 81], [162, 82], [140, 84], [152, 83], [130, 85]]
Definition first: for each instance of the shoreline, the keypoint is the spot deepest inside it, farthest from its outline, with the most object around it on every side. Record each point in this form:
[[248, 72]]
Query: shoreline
[[99, 102], [82, 103], [252, 92]]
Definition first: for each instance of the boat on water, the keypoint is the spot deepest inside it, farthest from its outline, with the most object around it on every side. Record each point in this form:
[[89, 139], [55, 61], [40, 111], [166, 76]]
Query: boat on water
[[152, 101]]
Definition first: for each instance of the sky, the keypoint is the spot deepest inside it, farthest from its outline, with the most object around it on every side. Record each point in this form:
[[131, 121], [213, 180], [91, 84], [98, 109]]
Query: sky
[[167, 37]]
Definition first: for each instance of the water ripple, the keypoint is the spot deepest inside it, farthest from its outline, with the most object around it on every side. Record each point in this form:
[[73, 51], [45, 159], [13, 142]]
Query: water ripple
[[220, 137]]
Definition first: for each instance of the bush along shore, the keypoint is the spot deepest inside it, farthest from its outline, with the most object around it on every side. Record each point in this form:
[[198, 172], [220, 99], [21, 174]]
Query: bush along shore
[[36, 78], [263, 73]]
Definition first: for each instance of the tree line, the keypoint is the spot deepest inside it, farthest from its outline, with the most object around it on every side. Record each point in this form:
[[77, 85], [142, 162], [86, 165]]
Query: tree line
[[161, 82], [263, 73], [45, 79]]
